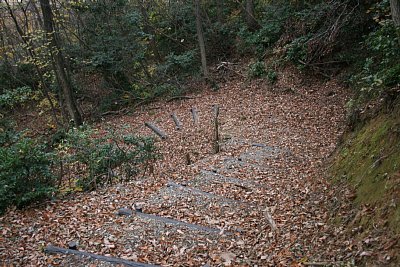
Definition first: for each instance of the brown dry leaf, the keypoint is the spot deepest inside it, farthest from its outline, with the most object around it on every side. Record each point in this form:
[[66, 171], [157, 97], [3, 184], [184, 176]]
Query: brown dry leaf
[[228, 258]]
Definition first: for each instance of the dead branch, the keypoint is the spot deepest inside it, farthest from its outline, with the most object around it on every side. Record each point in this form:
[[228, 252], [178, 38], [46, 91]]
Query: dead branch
[[180, 97]]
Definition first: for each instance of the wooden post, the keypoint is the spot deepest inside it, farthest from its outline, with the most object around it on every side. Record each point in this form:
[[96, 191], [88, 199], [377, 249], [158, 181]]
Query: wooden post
[[155, 129], [177, 121], [216, 130], [195, 115]]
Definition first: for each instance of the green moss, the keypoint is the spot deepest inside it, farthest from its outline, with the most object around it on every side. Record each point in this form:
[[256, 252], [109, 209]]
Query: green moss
[[370, 161]]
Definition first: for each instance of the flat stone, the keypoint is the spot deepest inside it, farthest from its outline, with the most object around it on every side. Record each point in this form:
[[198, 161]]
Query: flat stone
[[73, 245], [139, 207], [207, 175], [196, 191], [124, 212], [183, 224]]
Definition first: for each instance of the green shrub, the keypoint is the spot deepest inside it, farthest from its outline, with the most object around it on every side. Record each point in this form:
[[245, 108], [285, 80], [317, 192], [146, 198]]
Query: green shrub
[[257, 70], [19, 75], [30, 171], [103, 158], [13, 97], [272, 76], [272, 23], [296, 51], [178, 64], [25, 171], [381, 69]]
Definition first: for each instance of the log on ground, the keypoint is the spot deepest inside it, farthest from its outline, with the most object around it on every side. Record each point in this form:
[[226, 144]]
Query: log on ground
[[57, 250], [155, 129]]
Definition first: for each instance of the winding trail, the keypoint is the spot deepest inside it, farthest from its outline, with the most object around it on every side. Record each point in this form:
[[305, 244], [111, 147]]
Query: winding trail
[[263, 200]]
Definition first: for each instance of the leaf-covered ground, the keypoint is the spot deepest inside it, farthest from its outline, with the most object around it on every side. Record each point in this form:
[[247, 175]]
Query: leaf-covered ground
[[265, 194]]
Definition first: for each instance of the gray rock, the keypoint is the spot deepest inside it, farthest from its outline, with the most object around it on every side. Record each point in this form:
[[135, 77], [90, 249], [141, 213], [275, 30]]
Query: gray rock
[[124, 212], [73, 245]]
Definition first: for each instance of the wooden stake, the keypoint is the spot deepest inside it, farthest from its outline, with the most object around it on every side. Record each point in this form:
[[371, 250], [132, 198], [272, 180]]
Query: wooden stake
[[195, 115], [177, 121], [155, 129], [216, 130], [188, 160]]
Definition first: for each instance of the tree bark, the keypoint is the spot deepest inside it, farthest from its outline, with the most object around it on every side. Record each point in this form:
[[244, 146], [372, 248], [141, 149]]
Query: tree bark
[[395, 10], [251, 21], [59, 66], [200, 37]]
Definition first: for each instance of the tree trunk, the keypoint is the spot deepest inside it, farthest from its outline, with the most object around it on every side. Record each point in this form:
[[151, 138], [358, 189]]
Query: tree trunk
[[31, 53], [395, 9], [251, 21], [58, 62], [200, 36]]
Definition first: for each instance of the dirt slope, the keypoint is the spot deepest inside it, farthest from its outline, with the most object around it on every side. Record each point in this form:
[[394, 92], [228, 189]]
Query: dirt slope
[[262, 201]]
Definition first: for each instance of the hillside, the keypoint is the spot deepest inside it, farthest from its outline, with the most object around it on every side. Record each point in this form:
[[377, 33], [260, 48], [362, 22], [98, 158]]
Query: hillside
[[199, 133], [274, 146]]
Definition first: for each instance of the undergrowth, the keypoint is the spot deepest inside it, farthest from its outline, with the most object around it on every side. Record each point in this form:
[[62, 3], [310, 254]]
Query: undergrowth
[[83, 159]]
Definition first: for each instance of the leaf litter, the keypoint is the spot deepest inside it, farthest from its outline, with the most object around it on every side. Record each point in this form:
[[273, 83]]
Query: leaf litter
[[278, 214]]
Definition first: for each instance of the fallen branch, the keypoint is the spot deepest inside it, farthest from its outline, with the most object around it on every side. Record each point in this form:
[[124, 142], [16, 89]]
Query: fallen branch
[[155, 129], [179, 97], [225, 65], [115, 112], [57, 250], [319, 263]]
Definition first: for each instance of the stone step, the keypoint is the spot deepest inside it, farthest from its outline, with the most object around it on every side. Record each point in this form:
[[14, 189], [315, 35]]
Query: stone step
[[196, 191], [199, 207], [137, 235], [178, 223], [90, 259], [229, 187], [215, 177]]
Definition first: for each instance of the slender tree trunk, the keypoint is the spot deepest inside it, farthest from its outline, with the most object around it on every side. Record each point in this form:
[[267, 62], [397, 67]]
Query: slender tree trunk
[[251, 21], [30, 52], [63, 79], [395, 8], [200, 37]]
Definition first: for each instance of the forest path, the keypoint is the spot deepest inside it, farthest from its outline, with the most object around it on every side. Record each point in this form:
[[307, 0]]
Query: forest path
[[260, 201]]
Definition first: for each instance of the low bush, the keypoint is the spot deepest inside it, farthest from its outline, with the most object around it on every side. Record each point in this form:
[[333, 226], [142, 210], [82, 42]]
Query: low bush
[[381, 69], [296, 51], [98, 158], [272, 24], [25, 170], [272, 76], [84, 159], [257, 70], [14, 97]]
